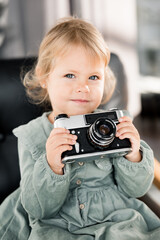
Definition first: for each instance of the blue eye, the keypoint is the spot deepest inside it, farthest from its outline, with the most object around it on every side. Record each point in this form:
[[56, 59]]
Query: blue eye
[[69, 75], [94, 77]]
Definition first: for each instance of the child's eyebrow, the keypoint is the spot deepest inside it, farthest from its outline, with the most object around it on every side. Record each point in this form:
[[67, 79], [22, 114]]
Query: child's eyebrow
[[73, 71], [97, 73], [90, 73]]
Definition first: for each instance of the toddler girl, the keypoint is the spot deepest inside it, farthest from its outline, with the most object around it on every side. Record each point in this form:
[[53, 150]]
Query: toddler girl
[[85, 200]]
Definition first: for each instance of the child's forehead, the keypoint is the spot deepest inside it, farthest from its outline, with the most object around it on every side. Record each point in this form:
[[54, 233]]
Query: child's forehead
[[70, 47], [78, 52], [75, 63]]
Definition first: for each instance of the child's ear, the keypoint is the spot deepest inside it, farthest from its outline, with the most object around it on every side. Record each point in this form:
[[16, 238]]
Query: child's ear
[[43, 84], [39, 75]]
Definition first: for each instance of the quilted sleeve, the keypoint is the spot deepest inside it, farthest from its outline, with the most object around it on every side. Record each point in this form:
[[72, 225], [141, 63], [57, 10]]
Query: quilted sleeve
[[42, 191], [135, 179]]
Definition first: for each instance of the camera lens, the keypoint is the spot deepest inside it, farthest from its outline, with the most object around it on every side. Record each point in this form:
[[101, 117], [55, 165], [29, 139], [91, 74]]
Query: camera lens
[[102, 132], [103, 129]]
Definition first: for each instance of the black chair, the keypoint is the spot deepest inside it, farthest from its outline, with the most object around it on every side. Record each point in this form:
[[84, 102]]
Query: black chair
[[14, 111]]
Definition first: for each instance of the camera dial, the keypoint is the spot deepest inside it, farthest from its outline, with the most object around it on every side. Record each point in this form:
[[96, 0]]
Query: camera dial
[[62, 115], [102, 132]]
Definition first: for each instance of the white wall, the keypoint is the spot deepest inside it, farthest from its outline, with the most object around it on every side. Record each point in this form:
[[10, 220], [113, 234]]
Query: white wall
[[121, 25], [117, 20]]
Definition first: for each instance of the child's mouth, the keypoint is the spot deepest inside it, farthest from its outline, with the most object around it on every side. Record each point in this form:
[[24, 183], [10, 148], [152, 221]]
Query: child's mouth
[[79, 100]]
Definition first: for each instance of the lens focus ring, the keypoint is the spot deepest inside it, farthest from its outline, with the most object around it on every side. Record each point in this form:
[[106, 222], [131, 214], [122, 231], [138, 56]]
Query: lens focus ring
[[102, 132]]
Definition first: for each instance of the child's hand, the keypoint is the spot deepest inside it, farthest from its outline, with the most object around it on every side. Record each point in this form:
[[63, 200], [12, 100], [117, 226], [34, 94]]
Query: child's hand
[[59, 141], [126, 129]]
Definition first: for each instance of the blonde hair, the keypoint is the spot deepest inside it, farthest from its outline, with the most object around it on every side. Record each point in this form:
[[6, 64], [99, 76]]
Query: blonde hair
[[66, 33]]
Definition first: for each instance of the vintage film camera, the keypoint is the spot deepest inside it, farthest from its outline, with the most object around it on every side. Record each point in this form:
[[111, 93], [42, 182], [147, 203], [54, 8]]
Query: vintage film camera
[[96, 135]]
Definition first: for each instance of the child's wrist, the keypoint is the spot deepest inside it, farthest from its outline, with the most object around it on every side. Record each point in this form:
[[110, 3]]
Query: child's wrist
[[134, 157], [58, 171]]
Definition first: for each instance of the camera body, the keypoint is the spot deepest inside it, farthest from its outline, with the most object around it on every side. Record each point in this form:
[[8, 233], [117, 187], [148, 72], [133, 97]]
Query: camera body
[[95, 135]]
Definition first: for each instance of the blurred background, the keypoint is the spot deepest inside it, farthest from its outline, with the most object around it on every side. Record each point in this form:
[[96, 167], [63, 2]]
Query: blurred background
[[131, 29]]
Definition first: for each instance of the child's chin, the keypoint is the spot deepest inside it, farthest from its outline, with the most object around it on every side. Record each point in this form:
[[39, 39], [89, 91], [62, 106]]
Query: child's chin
[[80, 112]]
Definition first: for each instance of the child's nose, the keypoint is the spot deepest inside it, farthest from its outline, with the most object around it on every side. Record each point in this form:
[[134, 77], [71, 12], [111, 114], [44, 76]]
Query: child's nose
[[82, 87]]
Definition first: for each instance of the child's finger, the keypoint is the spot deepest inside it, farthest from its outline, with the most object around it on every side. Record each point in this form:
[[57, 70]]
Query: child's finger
[[63, 136], [129, 135], [135, 144], [65, 142], [61, 140], [63, 148], [59, 131], [124, 124], [125, 119], [125, 130]]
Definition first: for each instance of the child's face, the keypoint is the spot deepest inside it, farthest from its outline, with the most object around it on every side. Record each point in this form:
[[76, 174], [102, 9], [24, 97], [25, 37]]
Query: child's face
[[76, 84]]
